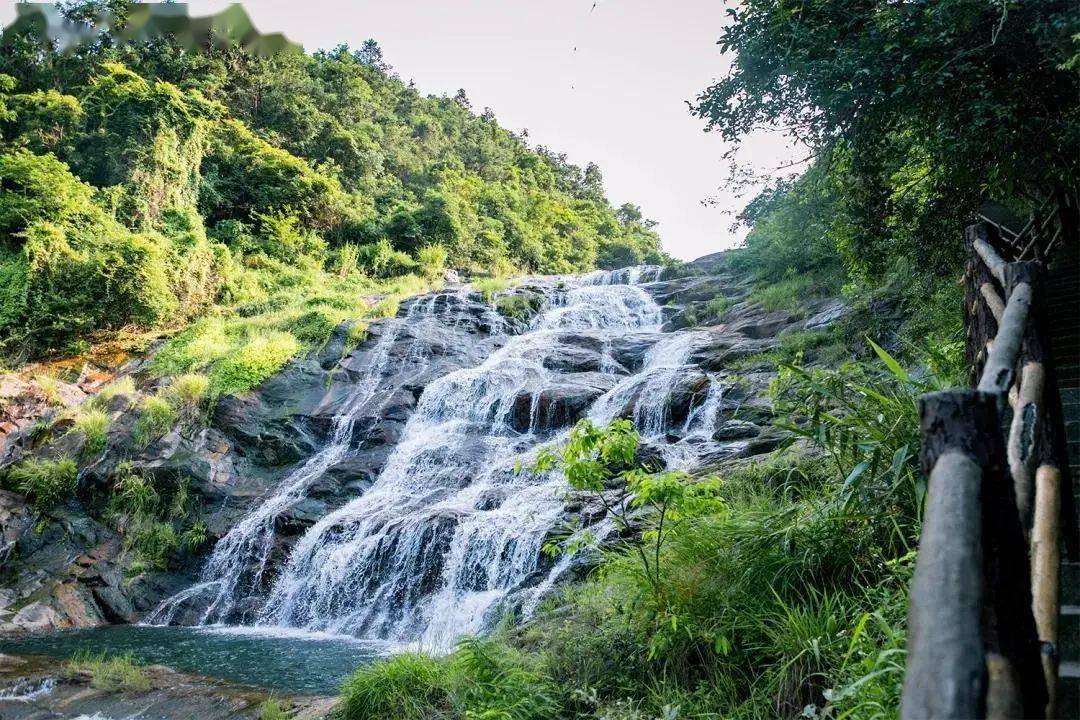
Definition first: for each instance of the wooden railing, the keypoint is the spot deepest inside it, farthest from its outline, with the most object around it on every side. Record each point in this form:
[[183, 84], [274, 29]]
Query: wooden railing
[[984, 600]]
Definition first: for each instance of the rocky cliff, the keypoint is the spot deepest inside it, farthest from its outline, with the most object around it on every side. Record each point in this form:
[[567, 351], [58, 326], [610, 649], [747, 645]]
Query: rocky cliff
[[70, 566]]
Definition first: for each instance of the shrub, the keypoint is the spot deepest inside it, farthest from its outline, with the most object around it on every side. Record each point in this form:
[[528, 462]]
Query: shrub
[[520, 307], [122, 387], [381, 260], [194, 538], [188, 390], [50, 389], [717, 307], [133, 493], [490, 287], [386, 308], [112, 674], [491, 679], [153, 543], [431, 261], [46, 482], [347, 259], [254, 361], [408, 686], [156, 418], [272, 709], [94, 426]]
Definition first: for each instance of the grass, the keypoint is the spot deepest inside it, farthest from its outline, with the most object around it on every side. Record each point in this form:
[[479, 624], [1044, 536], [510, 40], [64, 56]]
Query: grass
[[188, 390], [112, 674], [480, 679], [277, 312], [490, 287], [122, 387], [94, 426], [272, 709], [46, 482], [409, 686], [50, 389], [519, 306], [156, 418]]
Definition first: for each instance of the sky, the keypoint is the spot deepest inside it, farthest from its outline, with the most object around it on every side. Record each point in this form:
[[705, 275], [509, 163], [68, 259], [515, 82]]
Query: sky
[[605, 82]]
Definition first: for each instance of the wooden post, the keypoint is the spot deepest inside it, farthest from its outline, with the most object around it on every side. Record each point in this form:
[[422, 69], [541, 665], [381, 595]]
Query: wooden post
[[980, 324], [999, 371], [946, 669], [1016, 687], [1027, 408], [1045, 571]]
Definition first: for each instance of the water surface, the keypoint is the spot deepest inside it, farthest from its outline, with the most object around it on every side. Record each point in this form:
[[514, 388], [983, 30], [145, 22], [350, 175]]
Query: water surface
[[296, 663]]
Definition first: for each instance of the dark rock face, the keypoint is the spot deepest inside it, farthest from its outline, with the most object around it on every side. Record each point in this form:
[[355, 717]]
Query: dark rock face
[[76, 572]]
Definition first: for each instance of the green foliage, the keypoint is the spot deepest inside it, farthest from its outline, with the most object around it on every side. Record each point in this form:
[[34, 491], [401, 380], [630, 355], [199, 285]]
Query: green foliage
[[94, 426], [251, 363], [406, 686], [148, 184], [482, 679], [431, 261], [133, 493], [866, 419], [188, 390], [519, 306], [194, 538], [46, 482], [156, 417], [123, 387], [115, 674], [917, 110], [490, 287], [154, 544], [272, 710]]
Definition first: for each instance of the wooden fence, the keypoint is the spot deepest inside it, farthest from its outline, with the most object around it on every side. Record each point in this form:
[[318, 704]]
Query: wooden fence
[[984, 600]]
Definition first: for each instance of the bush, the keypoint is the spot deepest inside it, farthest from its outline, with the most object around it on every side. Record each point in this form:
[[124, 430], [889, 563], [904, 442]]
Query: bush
[[521, 307], [115, 674], [94, 426], [122, 387], [431, 261], [490, 287], [188, 390], [46, 482], [381, 260], [408, 686], [254, 361], [272, 710], [134, 493], [156, 418], [153, 543]]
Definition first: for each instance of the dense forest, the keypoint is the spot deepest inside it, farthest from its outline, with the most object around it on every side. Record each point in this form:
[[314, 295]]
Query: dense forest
[[145, 185]]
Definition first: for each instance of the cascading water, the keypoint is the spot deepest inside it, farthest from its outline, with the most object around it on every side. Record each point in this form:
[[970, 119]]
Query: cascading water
[[236, 566], [448, 530]]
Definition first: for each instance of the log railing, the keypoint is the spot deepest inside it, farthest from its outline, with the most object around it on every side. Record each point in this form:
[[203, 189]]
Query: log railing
[[984, 600]]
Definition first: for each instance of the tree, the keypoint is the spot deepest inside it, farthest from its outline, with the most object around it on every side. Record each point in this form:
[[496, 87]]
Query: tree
[[920, 109]]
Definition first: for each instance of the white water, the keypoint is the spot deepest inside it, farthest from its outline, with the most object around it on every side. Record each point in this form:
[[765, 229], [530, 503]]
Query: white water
[[448, 531]]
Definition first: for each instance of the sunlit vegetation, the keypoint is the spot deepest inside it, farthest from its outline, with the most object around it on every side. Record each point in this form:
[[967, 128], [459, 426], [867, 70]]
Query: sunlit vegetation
[[267, 196]]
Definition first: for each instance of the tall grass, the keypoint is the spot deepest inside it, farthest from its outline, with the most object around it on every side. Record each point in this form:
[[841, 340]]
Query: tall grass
[[112, 674], [46, 482]]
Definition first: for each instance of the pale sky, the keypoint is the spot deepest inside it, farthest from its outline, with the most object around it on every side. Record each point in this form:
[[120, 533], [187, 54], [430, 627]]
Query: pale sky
[[606, 84]]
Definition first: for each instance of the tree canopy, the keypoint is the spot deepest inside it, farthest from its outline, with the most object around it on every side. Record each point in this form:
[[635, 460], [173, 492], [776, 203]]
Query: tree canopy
[[108, 144]]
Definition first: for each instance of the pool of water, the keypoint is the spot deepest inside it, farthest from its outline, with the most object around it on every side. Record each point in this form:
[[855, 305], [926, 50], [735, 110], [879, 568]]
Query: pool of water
[[275, 659]]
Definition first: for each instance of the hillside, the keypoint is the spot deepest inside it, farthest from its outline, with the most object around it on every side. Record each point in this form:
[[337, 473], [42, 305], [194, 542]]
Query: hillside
[[148, 186]]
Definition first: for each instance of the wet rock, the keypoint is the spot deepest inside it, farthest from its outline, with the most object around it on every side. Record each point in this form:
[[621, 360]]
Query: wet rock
[[833, 311], [36, 617], [558, 405], [736, 430]]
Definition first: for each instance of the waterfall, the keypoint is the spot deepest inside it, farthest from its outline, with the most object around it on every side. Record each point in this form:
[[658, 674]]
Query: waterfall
[[236, 566], [448, 531]]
